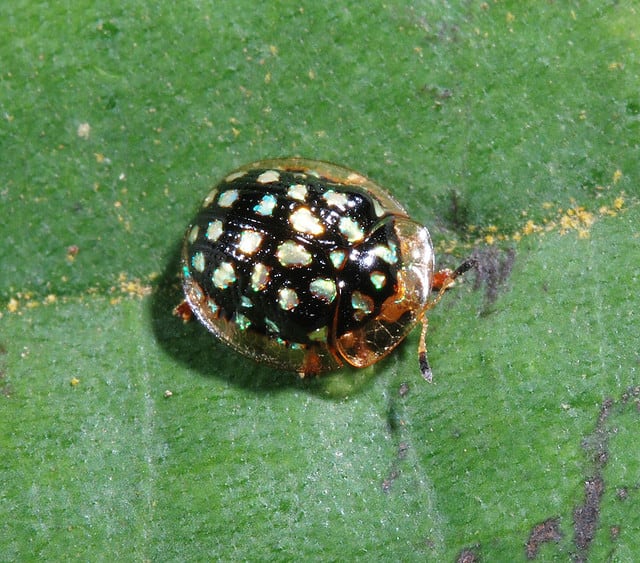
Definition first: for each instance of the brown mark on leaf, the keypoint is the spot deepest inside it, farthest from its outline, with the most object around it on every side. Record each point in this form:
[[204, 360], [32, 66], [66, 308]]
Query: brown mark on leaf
[[468, 555], [394, 473], [546, 531], [395, 426], [586, 517]]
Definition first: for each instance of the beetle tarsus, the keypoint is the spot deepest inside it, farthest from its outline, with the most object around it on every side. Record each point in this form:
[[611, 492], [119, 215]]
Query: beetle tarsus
[[425, 368]]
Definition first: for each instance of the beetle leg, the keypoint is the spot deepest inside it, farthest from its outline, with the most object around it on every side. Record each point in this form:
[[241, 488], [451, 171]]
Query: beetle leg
[[425, 368], [442, 281], [183, 310]]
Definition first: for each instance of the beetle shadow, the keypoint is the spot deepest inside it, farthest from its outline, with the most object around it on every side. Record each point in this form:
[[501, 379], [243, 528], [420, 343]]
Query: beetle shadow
[[193, 346]]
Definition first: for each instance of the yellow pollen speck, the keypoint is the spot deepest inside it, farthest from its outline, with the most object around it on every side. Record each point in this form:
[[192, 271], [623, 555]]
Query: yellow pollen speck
[[74, 381], [510, 17], [132, 287], [617, 176], [618, 203], [529, 228], [84, 130], [489, 239], [13, 305]]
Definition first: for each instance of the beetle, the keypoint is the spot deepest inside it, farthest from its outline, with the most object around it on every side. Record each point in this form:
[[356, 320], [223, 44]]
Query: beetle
[[306, 266]]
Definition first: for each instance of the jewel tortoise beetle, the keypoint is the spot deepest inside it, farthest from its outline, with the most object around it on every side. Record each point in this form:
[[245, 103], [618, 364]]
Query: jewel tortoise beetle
[[305, 265]]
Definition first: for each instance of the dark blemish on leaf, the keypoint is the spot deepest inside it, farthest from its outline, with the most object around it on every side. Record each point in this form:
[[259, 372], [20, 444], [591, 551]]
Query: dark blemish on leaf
[[622, 493], [493, 268], [403, 449], [458, 213], [438, 94], [586, 516], [430, 543], [404, 390], [547, 531], [614, 531], [386, 484], [468, 555]]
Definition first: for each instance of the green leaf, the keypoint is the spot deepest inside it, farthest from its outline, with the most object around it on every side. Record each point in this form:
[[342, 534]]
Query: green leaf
[[510, 129]]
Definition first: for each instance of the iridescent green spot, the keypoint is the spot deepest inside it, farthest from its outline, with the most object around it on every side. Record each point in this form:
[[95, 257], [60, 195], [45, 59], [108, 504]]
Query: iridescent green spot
[[259, 277], [293, 255], [245, 302], [378, 279], [324, 289], [288, 299], [362, 305], [318, 335], [250, 241], [271, 326], [193, 234], [214, 230], [303, 221], [268, 177], [186, 274], [338, 258], [350, 229], [336, 199], [266, 205], [387, 253], [378, 209], [228, 198], [197, 261], [241, 321], [297, 191], [213, 306], [224, 275]]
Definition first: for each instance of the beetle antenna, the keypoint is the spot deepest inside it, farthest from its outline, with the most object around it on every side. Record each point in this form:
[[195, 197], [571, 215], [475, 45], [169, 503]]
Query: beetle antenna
[[444, 279]]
